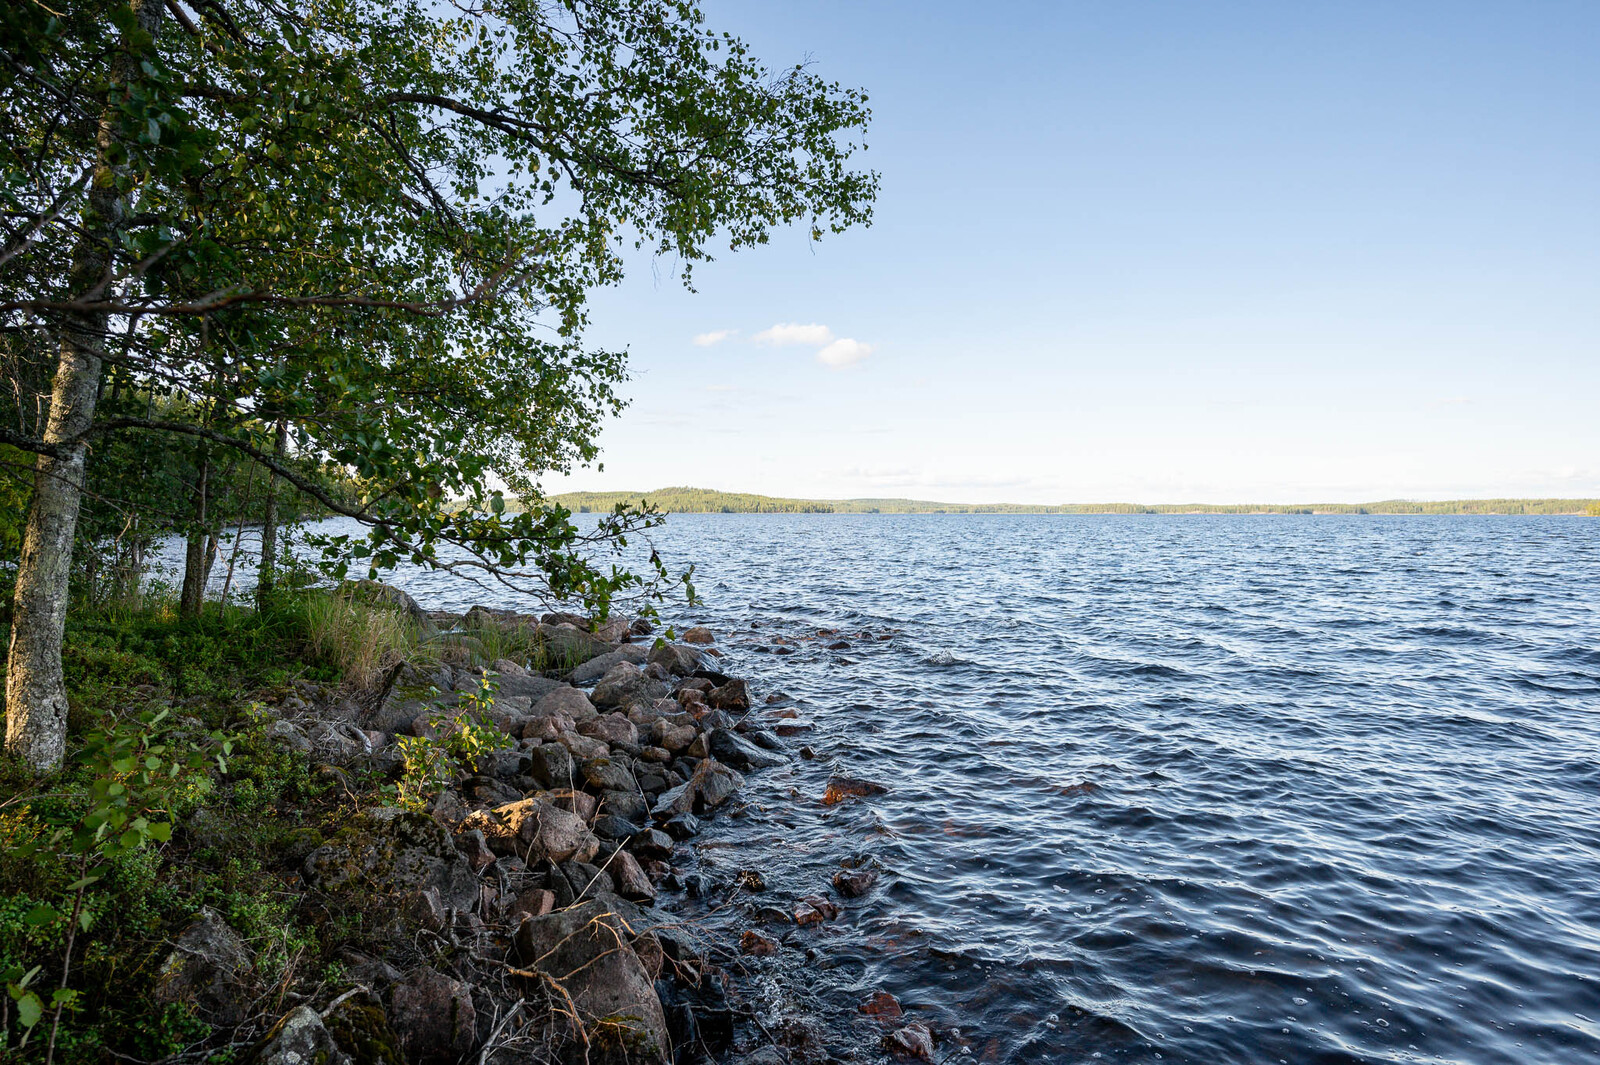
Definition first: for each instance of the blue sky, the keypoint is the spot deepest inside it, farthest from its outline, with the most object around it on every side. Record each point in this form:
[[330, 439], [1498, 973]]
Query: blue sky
[[1157, 252]]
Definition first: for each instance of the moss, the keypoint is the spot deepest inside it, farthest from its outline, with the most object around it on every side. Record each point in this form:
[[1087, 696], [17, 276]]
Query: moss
[[362, 1031]]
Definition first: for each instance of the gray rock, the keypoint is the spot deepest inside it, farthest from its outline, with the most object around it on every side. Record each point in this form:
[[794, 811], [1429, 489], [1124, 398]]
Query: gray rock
[[614, 828], [299, 1038], [678, 659], [608, 774], [624, 685], [611, 729], [565, 701], [628, 805], [547, 831], [379, 594], [739, 752], [433, 1016], [636, 653], [730, 696], [586, 949], [209, 970], [289, 735], [389, 852], [681, 826], [672, 802], [713, 783], [630, 879], [551, 765], [532, 686], [567, 647]]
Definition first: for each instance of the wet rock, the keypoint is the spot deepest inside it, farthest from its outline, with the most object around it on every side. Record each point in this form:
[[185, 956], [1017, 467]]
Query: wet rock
[[681, 826], [299, 1038], [771, 915], [854, 883], [677, 659], [630, 879], [698, 1014], [699, 634], [841, 788], [610, 729], [739, 752], [433, 1016], [635, 653], [814, 909], [764, 1056], [607, 826], [551, 764], [713, 783], [388, 852], [882, 1005], [624, 685], [586, 950], [565, 701], [674, 802], [209, 970], [766, 739], [651, 843], [732, 696], [913, 1042], [753, 942]]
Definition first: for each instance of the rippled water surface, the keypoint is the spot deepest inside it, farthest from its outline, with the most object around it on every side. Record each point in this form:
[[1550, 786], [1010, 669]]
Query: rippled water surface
[[1182, 789]]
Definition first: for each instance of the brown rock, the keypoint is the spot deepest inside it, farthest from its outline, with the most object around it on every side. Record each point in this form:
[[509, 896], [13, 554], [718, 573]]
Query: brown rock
[[854, 883], [546, 831], [814, 909], [610, 728], [473, 844], [578, 802], [753, 942], [882, 1005], [841, 788], [699, 634], [631, 881], [535, 903], [733, 696]]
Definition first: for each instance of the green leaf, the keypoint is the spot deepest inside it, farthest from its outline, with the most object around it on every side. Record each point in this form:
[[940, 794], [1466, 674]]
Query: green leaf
[[41, 915], [29, 1008]]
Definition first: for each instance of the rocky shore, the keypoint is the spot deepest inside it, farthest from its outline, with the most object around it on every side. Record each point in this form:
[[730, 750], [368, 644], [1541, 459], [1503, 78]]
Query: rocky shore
[[516, 916]]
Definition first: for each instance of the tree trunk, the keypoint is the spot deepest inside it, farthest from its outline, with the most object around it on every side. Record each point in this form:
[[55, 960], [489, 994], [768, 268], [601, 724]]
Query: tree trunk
[[36, 697], [266, 572], [196, 564]]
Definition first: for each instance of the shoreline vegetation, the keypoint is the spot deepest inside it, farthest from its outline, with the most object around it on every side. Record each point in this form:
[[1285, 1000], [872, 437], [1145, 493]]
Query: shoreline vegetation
[[706, 501], [352, 831]]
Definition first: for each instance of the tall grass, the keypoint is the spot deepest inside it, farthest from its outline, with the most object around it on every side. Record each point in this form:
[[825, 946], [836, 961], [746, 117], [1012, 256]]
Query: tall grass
[[363, 642]]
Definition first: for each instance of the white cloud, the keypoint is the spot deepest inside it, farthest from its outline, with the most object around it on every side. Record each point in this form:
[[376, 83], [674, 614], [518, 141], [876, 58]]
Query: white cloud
[[716, 336], [794, 333], [844, 352]]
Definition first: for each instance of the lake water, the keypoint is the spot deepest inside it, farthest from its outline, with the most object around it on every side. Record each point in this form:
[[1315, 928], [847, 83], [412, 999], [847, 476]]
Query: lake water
[[1177, 789]]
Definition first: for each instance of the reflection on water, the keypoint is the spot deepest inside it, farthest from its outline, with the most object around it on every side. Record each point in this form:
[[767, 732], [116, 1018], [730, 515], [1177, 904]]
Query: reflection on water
[[1179, 789]]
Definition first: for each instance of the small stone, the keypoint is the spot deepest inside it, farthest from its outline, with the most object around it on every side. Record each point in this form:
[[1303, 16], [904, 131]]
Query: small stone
[[565, 701], [753, 942], [882, 1005], [610, 728], [912, 1041], [854, 883], [699, 634], [814, 909], [843, 787]]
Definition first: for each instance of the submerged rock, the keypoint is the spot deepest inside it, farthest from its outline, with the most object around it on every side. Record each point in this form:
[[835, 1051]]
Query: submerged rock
[[841, 788], [739, 752]]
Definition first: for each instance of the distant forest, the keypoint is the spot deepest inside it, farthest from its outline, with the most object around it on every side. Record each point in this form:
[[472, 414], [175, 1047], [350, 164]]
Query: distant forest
[[705, 501]]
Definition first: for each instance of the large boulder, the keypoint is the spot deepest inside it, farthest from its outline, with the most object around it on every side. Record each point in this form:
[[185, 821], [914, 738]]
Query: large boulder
[[587, 951], [566, 647], [565, 701], [533, 829], [391, 852], [595, 668], [376, 593], [740, 752], [434, 1018], [678, 659], [209, 970], [625, 684], [299, 1038], [610, 729]]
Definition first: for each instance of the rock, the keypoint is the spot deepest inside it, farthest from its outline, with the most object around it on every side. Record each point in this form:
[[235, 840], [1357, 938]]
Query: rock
[[507, 668], [476, 848], [739, 752], [613, 630], [842, 787], [814, 909], [546, 729], [699, 634], [713, 783], [674, 802], [433, 1016], [651, 843], [628, 805], [678, 738], [586, 950], [732, 696], [299, 1038], [636, 653], [567, 647], [488, 790], [624, 685], [504, 766], [681, 826], [289, 735], [700, 748], [753, 942], [530, 686], [389, 852], [764, 1056], [854, 883], [424, 910], [535, 903], [630, 879], [765, 739], [608, 774], [679, 660], [449, 809], [914, 1041], [609, 827], [551, 765], [552, 832], [209, 970], [610, 728], [566, 701], [584, 746], [562, 617], [579, 802], [380, 594], [882, 1005]]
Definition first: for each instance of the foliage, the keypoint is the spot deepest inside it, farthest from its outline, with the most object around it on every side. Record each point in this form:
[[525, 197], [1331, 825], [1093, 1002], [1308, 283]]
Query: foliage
[[457, 744]]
